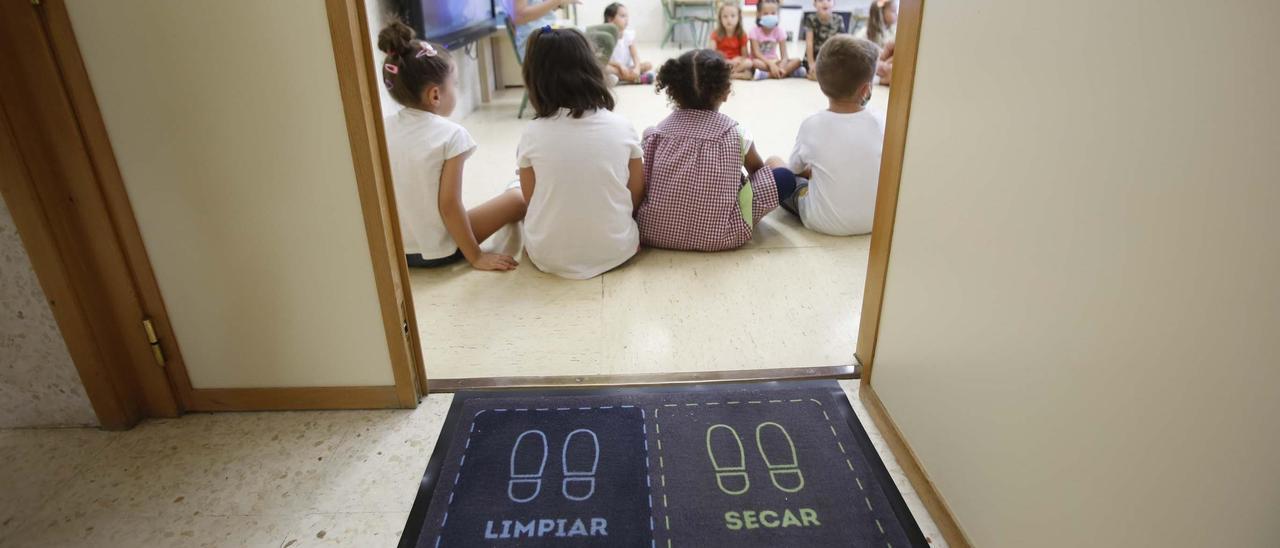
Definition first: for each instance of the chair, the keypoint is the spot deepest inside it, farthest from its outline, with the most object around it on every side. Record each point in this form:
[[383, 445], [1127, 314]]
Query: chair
[[511, 33], [603, 38], [699, 24]]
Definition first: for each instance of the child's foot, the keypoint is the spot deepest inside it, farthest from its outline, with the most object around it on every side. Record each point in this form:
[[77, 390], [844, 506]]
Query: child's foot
[[647, 78], [611, 79], [741, 76], [799, 73], [760, 75]]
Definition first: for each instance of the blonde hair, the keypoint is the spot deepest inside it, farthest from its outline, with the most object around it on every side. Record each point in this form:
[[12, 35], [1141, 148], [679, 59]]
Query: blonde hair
[[723, 32], [877, 28]]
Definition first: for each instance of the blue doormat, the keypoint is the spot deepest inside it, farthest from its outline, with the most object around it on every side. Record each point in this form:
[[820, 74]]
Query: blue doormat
[[738, 465]]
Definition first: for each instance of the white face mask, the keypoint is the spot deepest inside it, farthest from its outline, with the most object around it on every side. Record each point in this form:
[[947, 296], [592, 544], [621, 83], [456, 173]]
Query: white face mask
[[769, 21]]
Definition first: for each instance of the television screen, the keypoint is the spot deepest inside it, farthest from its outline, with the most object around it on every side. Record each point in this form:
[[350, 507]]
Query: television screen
[[450, 22]]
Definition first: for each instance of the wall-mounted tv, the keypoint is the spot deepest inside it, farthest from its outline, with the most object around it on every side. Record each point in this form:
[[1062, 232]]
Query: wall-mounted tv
[[451, 23]]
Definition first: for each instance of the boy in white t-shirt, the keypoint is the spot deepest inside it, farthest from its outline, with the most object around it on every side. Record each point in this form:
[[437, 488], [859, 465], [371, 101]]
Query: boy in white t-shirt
[[625, 62], [837, 154]]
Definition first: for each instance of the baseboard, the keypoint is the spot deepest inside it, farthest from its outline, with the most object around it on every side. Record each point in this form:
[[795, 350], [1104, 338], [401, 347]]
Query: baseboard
[[933, 501], [294, 399]]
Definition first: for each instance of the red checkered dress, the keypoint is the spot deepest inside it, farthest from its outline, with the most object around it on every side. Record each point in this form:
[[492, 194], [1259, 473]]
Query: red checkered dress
[[692, 175]]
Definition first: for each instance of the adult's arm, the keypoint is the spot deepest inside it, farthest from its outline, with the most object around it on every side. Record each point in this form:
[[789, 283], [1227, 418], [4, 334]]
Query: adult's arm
[[525, 13]]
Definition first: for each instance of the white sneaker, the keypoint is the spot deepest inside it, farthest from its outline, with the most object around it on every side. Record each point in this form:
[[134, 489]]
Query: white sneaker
[[611, 79]]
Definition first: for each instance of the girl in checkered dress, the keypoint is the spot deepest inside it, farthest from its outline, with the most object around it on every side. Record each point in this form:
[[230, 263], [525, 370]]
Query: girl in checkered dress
[[705, 185]]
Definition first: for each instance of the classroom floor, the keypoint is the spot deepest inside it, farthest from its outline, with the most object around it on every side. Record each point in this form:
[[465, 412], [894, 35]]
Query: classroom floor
[[284, 479], [790, 298]]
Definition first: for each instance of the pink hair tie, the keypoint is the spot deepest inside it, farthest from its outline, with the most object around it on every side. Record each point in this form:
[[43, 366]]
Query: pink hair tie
[[426, 51], [391, 68]]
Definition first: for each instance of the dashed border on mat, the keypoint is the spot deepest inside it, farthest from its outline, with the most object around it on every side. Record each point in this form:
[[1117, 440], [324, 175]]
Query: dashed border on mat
[[644, 425], [662, 477]]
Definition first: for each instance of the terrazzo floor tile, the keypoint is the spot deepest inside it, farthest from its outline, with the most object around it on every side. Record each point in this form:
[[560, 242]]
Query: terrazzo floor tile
[[187, 531], [379, 467], [357, 530], [37, 463]]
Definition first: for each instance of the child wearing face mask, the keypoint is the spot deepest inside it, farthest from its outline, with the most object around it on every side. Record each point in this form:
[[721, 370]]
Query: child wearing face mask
[[769, 45], [836, 158]]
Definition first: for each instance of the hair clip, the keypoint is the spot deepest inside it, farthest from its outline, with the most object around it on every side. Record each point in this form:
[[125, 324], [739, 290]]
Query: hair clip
[[547, 28], [426, 51], [391, 68]]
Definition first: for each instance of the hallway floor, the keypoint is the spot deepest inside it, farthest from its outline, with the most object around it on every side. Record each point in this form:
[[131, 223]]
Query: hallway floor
[[286, 479], [790, 298]]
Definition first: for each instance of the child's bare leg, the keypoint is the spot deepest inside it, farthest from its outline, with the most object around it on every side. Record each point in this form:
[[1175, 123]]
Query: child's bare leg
[[499, 211], [789, 66], [629, 75], [646, 67], [742, 74], [613, 69]]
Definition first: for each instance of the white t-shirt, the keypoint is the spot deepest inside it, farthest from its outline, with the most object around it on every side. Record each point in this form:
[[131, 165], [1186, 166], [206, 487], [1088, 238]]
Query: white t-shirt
[[843, 150], [579, 222], [622, 49], [418, 143]]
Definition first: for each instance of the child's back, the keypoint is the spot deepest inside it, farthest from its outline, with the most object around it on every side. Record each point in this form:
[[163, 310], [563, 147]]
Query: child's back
[[696, 195], [838, 149], [843, 152], [693, 180], [579, 221]]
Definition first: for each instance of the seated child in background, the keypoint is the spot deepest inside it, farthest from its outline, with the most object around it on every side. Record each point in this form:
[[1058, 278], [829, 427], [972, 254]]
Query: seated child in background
[[427, 152], [769, 45], [731, 41], [696, 195], [580, 164], [838, 149], [819, 27], [625, 62]]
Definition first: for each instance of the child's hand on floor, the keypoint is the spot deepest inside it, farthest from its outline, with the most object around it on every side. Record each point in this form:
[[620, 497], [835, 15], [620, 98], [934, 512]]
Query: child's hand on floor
[[494, 261]]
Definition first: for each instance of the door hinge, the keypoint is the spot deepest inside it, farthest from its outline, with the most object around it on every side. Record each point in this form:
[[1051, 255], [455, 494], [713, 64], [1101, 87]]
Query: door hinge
[[153, 340]]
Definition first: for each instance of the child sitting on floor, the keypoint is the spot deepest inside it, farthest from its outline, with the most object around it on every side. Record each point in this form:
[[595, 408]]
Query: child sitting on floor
[[769, 45], [819, 27], [731, 41], [837, 154], [580, 164], [625, 62], [697, 197], [427, 151]]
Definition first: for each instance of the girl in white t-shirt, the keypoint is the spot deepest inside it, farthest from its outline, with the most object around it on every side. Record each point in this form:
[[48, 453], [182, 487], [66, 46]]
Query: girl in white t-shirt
[[580, 165], [625, 62], [427, 152]]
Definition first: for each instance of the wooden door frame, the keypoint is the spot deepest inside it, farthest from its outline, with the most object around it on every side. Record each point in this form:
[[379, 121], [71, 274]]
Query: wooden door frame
[[99, 302], [59, 170], [910, 17]]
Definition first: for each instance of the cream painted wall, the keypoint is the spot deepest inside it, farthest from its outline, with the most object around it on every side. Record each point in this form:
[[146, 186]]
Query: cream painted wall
[[227, 123], [1080, 328]]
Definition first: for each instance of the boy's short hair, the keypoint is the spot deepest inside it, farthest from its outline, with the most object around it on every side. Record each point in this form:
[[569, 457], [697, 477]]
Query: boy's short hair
[[611, 11], [844, 64]]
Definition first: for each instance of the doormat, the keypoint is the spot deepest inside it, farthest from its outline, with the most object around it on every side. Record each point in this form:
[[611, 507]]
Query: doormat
[[741, 465]]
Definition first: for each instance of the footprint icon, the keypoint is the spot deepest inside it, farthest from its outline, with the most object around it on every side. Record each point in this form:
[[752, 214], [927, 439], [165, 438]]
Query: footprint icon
[[528, 460], [779, 454], [581, 446], [728, 458]]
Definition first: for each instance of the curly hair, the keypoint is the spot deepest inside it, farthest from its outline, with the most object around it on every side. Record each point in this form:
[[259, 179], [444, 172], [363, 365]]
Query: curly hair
[[698, 79], [411, 65]]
